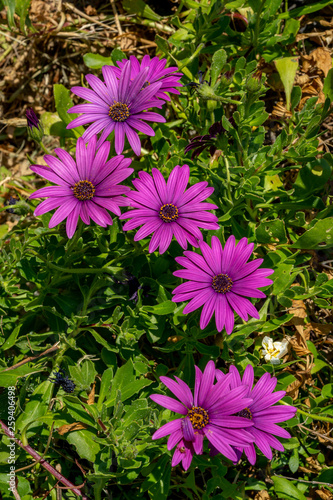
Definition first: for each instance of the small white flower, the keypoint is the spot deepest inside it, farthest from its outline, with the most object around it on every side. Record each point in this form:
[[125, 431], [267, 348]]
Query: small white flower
[[273, 351]]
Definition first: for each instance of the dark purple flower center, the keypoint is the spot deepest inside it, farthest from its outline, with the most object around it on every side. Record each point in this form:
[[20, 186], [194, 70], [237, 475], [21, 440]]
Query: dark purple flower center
[[169, 212], [84, 190], [119, 112], [198, 416], [246, 413], [222, 283]]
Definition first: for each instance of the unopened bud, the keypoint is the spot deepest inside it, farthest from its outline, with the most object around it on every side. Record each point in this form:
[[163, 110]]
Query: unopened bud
[[35, 128], [253, 84]]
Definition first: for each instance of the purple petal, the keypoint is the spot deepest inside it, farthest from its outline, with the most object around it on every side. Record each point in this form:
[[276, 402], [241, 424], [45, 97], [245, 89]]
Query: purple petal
[[187, 429], [62, 212], [168, 428], [133, 139], [198, 378], [182, 393], [228, 253], [48, 174], [197, 301], [48, 205], [169, 403], [207, 383], [119, 133], [174, 439], [207, 311], [72, 219]]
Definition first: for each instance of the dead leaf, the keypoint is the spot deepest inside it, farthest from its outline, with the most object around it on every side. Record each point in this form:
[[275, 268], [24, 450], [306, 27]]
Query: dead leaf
[[297, 346], [324, 494], [318, 328], [75, 426], [320, 58], [293, 389], [91, 397], [262, 495]]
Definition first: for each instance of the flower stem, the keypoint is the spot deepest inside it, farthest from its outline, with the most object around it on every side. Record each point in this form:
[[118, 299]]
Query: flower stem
[[311, 415], [44, 148], [315, 417]]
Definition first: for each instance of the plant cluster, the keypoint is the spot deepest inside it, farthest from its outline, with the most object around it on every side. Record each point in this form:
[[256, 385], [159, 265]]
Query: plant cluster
[[96, 312]]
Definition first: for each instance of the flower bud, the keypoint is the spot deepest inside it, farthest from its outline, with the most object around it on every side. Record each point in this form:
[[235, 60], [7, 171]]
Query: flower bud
[[253, 83], [35, 128]]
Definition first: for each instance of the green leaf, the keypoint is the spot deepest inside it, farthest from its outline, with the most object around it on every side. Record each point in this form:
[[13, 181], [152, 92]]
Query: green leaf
[[328, 85], [294, 461], [327, 391], [83, 440], [162, 44], [166, 307], [10, 377], [271, 232], [140, 8], [296, 95], [306, 9], [318, 365], [117, 55], [105, 385], [10, 4], [125, 382], [63, 102], [77, 411], [22, 9], [218, 62], [88, 371], [11, 339], [326, 476], [37, 406], [95, 61], [317, 237], [285, 489], [312, 177], [287, 68]]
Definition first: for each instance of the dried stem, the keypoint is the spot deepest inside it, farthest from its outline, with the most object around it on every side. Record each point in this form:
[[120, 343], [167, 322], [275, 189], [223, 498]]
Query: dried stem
[[43, 463], [55, 347], [116, 18]]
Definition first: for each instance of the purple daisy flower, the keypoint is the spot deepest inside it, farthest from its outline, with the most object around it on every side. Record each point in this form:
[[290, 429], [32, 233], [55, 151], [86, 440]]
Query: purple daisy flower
[[85, 188], [168, 209], [117, 105], [261, 412], [157, 73], [220, 280], [209, 413]]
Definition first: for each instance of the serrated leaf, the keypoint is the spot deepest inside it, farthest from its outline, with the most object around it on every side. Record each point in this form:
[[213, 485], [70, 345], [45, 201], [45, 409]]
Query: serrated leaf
[[218, 62], [125, 382], [162, 44], [84, 443]]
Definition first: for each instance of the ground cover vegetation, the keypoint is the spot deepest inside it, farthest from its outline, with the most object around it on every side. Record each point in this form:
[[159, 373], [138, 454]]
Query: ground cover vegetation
[[166, 239]]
